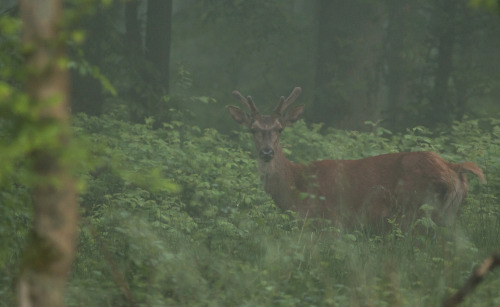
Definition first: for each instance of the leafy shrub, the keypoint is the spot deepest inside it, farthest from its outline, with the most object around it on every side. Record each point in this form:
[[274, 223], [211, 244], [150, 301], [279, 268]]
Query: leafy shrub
[[209, 235], [177, 216]]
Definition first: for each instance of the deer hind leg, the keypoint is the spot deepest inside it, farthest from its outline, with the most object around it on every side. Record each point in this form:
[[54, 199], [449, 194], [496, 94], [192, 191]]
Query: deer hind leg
[[446, 197], [417, 199], [453, 200]]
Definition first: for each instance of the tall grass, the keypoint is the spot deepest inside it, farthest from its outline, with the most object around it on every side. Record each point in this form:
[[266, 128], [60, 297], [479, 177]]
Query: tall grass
[[222, 242]]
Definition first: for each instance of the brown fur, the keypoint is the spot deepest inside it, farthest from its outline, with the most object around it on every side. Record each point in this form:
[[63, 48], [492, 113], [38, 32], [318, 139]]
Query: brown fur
[[352, 192]]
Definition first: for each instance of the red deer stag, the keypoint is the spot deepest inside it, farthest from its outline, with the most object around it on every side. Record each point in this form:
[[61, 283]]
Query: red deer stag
[[353, 192]]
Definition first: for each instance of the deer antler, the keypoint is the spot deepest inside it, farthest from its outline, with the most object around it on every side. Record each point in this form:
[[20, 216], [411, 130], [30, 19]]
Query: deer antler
[[283, 104], [247, 102]]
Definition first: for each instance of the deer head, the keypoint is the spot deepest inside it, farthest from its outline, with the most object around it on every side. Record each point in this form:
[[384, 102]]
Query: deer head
[[266, 129], [353, 192]]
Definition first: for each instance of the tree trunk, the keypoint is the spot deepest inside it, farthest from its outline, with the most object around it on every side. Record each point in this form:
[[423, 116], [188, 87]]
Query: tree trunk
[[347, 81], [441, 107], [159, 20], [47, 260], [397, 66], [132, 26], [87, 95], [326, 70]]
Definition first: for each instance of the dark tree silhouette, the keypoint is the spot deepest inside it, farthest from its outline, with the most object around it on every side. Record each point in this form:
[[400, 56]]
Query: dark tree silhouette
[[159, 20]]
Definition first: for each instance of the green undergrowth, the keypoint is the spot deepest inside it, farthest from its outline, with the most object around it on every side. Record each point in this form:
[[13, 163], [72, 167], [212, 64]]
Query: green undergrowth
[[178, 217], [210, 236]]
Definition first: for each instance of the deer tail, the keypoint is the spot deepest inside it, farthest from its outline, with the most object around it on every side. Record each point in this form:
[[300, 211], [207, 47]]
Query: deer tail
[[470, 167]]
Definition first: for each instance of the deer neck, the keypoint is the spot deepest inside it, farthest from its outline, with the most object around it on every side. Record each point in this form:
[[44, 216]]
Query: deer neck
[[278, 178]]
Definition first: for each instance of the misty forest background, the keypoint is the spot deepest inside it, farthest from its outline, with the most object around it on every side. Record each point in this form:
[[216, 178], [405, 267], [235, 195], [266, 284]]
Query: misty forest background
[[172, 211]]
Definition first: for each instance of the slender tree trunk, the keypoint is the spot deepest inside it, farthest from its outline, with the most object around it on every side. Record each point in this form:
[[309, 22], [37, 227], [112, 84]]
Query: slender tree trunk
[[441, 108], [50, 252], [396, 75], [158, 28], [327, 107], [87, 95], [440, 92], [132, 26], [347, 81]]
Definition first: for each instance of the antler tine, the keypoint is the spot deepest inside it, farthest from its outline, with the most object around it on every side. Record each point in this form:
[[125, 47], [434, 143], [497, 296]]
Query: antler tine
[[278, 108], [248, 102], [253, 107], [295, 93], [283, 104]]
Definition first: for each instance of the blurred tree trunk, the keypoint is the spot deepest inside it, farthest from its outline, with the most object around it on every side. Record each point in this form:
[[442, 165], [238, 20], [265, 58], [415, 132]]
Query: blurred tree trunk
[[86, 92], [158, 34], [349, 50], [47, 260], [132, 26], [134, 53], [397, 76], [326, 72], [441, 107]]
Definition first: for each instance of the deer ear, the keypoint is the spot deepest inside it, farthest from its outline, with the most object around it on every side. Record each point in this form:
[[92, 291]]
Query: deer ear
[[239, 116], [292, 115]]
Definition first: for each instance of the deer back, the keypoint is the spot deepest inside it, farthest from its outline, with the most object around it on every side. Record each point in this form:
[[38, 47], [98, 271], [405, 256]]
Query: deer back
[[349, 192]]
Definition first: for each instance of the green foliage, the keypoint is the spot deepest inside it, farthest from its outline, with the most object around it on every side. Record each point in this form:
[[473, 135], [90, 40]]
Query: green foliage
[[24, 133], [173, 214], [212, 237], [177, 216], [21, 133], [492, 5]]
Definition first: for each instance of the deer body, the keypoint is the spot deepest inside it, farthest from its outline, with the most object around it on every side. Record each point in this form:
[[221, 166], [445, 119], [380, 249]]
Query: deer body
[[349, 192]]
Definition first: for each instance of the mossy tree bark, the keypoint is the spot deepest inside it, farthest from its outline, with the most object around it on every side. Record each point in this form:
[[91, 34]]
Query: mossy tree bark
[[48, 257]]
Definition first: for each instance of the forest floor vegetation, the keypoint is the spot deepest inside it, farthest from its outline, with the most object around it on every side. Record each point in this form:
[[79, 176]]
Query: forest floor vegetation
[[177, 216]]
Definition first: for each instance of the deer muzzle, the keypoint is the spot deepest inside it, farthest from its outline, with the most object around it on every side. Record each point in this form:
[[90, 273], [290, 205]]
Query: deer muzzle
[[266, 154]]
